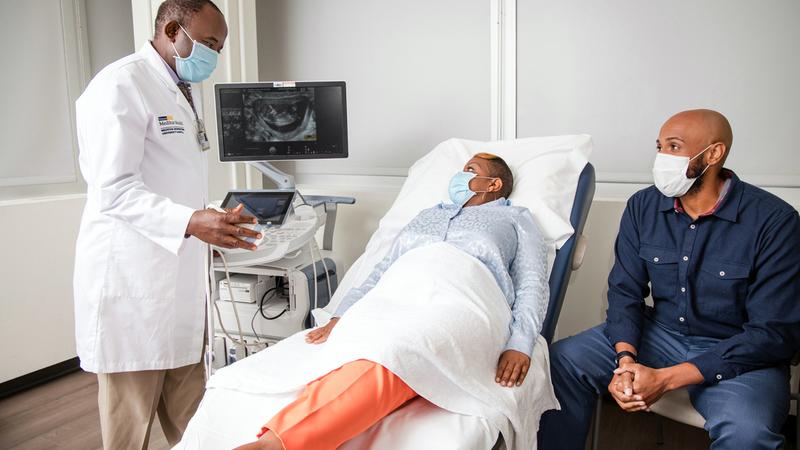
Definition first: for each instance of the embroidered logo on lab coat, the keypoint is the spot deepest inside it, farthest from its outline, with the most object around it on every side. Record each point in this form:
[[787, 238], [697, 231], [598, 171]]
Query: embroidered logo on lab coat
[[169, 125]]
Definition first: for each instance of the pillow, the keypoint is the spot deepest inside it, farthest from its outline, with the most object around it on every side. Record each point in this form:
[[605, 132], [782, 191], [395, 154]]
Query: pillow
[[546, 172]]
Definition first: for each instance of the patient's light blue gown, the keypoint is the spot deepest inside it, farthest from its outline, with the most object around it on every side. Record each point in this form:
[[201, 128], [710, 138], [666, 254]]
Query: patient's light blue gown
[[503, 237]]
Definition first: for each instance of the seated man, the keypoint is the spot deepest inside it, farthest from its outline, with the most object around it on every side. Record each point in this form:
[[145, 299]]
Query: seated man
[[722, 260]]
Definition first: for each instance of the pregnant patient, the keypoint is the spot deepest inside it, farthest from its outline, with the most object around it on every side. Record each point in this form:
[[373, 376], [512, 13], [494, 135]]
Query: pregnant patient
[[481, 223]]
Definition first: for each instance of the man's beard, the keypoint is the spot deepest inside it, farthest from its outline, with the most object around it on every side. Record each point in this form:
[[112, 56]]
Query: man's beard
[[696, 169]]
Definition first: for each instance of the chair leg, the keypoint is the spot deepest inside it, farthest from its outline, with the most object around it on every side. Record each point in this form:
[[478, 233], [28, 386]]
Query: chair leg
[[659, 430], [598, 412]]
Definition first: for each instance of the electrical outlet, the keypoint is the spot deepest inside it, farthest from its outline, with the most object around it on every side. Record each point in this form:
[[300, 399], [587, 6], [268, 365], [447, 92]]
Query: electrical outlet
[[236, 352]]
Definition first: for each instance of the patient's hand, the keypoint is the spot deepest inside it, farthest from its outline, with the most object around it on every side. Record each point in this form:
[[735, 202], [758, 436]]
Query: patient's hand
[[320, 335], [512, 368]]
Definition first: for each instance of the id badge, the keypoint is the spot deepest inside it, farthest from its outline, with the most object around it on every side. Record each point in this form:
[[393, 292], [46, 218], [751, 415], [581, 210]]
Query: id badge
[[202, 138]]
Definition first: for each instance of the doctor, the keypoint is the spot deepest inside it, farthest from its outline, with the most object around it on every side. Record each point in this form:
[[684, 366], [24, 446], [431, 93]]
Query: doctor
[[139, 265]]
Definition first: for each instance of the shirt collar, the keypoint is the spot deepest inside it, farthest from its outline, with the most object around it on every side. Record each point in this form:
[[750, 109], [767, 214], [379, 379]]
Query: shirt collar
[[727, 206], [502, 201], [171, 72]]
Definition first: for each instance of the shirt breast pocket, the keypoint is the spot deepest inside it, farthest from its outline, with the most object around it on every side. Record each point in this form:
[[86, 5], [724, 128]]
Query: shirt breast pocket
[[662, 267], [722, 288]]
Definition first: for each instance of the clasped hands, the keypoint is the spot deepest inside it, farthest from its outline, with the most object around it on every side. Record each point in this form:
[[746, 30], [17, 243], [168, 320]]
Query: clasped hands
[[635, 387]]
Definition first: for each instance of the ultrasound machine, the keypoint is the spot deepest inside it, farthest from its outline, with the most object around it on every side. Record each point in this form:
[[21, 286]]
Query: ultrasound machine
[[265, 295]]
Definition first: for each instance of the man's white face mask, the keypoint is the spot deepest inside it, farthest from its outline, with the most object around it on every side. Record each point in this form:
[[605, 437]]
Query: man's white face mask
[[669, 173]]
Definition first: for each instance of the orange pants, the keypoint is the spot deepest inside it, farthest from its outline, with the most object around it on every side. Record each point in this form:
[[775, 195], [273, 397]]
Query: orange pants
[[338, 406]]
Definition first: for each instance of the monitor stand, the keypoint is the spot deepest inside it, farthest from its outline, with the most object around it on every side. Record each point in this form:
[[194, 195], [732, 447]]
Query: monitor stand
[[282, 179]]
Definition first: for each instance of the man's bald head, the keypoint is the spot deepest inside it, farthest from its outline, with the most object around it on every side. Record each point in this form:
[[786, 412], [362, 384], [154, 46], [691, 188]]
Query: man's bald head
[[700, 128]]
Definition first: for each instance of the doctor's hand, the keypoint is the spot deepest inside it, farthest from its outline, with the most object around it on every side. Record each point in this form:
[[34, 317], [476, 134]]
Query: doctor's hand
[[320, 335], [218, 228], [512, 368]]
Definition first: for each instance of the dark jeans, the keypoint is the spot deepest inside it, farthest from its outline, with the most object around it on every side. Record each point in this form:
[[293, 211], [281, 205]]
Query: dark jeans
[[747, 411]]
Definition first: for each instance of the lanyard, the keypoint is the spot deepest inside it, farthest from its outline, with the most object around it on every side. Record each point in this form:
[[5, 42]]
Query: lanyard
[[202, 138]]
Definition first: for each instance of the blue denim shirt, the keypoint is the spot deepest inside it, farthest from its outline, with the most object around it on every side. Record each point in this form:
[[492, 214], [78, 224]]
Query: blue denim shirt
[[503, 237], [733, 275]]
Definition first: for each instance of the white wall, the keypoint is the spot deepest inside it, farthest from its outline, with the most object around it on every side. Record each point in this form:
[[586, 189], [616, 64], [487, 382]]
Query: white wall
[[617, 69], [36, 308], [416, 72], [110, 30], [39, 224]]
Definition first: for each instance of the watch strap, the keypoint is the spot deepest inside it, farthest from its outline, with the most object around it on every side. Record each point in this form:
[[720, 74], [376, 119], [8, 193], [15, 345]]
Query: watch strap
[[624, 354]]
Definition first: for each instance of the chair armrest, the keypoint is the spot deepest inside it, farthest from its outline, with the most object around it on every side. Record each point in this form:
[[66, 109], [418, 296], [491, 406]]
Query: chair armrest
[[580, 250]]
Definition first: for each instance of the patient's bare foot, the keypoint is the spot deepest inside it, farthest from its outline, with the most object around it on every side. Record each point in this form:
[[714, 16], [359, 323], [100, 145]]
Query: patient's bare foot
[[268, 441]]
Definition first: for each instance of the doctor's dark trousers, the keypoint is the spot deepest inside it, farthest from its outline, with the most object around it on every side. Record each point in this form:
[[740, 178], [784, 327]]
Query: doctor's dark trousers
[[744, 412]]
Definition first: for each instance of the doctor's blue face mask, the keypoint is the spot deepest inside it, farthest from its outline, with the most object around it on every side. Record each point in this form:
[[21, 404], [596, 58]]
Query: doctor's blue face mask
[[459, 190], [198, 65]]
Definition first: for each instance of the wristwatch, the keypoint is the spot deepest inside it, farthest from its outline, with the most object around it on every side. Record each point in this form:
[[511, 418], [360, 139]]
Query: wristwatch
[[623, 354]]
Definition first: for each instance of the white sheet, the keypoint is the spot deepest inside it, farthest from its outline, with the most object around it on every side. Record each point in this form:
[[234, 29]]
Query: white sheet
[[228, 418], [442, 334], [546, 172]]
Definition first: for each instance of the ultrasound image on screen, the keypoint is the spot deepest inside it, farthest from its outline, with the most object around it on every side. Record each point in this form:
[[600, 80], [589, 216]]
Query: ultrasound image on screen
[[279, 116], [271, 121]]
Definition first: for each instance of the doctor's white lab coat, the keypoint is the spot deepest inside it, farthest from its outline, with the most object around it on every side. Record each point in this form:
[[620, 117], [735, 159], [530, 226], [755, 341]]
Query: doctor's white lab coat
[[139, 293]]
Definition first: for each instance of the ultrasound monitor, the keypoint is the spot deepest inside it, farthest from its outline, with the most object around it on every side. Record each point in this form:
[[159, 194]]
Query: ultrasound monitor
[[284, 120]]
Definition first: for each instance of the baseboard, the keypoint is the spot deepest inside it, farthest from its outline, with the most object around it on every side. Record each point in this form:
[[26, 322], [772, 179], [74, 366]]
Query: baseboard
[[39, 377]]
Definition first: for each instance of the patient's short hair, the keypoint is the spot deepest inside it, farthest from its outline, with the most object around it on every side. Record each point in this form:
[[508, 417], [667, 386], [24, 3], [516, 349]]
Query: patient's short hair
[[499, 169]]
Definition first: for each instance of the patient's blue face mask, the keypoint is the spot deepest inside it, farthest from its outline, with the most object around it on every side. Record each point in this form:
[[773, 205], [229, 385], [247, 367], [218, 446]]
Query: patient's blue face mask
[[198, 65], [459, 190]]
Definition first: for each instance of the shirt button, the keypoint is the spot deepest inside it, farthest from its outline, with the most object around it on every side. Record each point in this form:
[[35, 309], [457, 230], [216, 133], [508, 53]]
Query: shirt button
[[683, 289], [692, 226], [722, 273], [681, 319], [719, 377], [655, 259], [685, 258]]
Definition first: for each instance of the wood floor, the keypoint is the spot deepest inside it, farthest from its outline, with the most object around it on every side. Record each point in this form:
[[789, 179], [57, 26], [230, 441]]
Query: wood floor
[[63, 415]]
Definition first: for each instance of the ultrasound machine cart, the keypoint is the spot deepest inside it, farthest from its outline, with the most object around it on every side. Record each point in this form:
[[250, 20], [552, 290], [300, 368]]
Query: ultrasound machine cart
[[256, 123]]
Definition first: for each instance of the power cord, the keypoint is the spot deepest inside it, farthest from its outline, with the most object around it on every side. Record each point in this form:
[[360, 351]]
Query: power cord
[[278, 285], [325, 266], [241, 340], [314, 268]]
